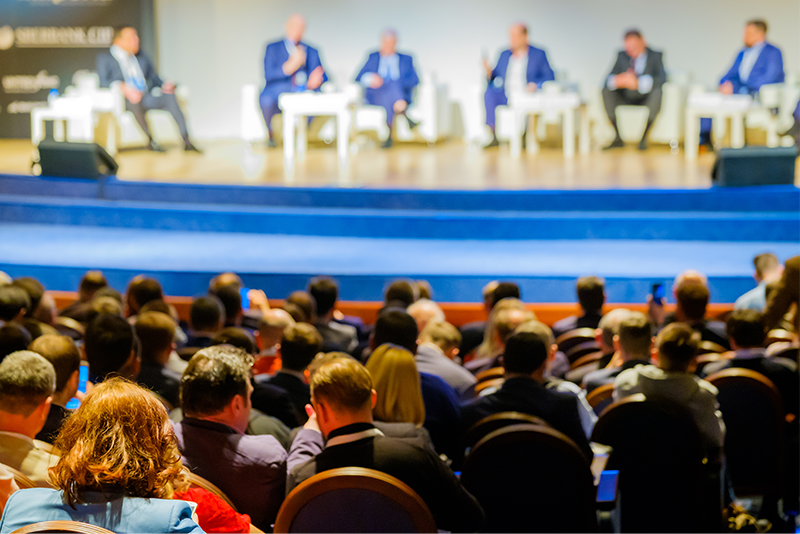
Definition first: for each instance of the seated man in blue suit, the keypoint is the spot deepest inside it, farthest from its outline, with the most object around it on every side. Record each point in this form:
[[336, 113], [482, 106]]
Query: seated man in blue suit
[[289, 65], [389, 78], [635, 80], [521, 68], [758, 63], [136, 75]]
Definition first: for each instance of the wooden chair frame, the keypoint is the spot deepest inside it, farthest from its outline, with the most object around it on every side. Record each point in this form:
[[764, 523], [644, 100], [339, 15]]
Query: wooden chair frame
[[494, 382], [61, 526], [599, 394], [474, 435], [200, 482], [490, 374], [587, 334], [22, 480]]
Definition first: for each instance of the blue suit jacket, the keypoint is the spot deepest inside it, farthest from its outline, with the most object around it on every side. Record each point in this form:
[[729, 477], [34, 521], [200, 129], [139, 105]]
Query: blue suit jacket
[[121, 514], [768, 68], [109, 71], [539, 70], [408, 75], [276, 56]]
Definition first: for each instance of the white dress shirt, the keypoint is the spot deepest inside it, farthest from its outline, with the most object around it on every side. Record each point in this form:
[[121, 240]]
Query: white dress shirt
[[749, 59], [131, 70], [517, 74]]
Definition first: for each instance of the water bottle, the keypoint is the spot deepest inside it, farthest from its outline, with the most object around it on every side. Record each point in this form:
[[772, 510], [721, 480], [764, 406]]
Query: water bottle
[[300, 79], [52, 96]]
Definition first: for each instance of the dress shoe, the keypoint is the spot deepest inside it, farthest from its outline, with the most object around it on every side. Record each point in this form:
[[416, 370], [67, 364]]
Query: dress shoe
[[492, 144], [271, 143], [388, 143], [189, 147], [643, 144], [411, 124], [616, 143], [524, 140], [155, 147]]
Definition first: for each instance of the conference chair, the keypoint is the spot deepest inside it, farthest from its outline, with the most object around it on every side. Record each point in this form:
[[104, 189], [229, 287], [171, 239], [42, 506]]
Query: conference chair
[[755, 424], [354, 499], [23, 482], [780, 335], [490, 374], [601, 397], [576, 337], [489, 424], [61, 526], [708, 347], [705, 359], [586, 360], [69, 327], [531, 478], [487, 387], [583, 349], [666, 483], [200, 482]]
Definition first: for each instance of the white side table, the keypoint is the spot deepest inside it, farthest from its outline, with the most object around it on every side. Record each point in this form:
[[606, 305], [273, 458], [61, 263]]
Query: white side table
[[565, 104], [72, 117], [719, 107], [297, 106]]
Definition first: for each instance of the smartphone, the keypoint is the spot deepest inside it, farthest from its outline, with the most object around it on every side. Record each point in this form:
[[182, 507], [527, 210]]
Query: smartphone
[[607, 487], [658, 293], [245, 299], [83, 377]]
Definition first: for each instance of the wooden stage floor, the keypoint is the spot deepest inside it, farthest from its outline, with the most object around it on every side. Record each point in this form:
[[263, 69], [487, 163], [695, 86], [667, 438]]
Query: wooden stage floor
[[448, 165]]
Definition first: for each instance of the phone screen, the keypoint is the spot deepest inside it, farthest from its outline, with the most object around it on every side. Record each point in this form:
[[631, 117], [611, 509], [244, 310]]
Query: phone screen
[[83, 377], [245, 299], [658, 293], [607, 487]]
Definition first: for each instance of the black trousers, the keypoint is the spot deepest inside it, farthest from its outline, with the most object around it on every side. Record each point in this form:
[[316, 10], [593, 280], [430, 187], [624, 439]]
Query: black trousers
[[165, 102], [627, 97]]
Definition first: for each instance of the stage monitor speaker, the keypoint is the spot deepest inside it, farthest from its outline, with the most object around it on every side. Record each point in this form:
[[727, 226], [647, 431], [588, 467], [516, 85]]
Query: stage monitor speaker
[[75, 160], [740, 167]]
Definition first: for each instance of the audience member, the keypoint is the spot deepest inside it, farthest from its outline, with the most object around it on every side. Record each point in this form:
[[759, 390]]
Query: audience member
[[236, 337], [604, 335], [206, 319], [786, 293], [111, 349], [27, 383], [270, 331], [14, 304], [156, 334], [671, 380], [225, 279], [506, 316], [655, 310], [591, 297], [142, 290], [335, 336], [768, 268], [231, 300], [117, 472], [437, 348], [400, 293], [13, 337], [91, 281], [523, 391], [343, 398], [46, 312], [424, 310], [424, 289], [397, 383], [692, 301], [215, 397], [632, 346], [65, 357], [35, 291], [472, 333], [299, 345], [306, 303], [295, 312], [168, 309]]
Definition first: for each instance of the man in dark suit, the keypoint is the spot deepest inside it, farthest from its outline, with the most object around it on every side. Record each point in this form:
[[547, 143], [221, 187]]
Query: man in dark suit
[[289, 65], [521, 68], [141, 86], [206, 319], [692, 302], [389, 78], [591, 297], [299, 345], [342, 399], [525, 360], [156, 332], [336, 337], [635, 80], [65, 356]]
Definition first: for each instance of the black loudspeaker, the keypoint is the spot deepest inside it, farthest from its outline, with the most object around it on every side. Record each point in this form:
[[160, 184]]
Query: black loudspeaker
[[739, 167], [75, 160]]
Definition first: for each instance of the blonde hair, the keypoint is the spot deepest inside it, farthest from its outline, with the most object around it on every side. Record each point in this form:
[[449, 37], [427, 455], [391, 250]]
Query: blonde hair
[[397, 382]]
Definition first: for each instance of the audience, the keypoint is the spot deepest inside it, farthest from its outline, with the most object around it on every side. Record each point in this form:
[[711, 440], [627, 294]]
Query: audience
[[27, 383], [206, 319], [632, 347], [785, 293], [117, 471], [591, 297], [472, 333], [270, 331], [156, 334], [604, 335], [692, 301], [13, 337], [111, 348], [340, 433], [768, 268], [14, 304], [215, 397], [335, 336], [506, 316], [35, 291], [299, 345], [231, 300], [436, 350], [424, 310], [90, 283], [65, 357], [400, 294], [671, 379], [142, 290], [397, 385], [307, 305]]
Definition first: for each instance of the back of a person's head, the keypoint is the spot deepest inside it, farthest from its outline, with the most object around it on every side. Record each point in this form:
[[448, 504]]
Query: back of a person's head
[[156, 332], [396, 327], [299, 344], [424, 310], [225, 279], [747, 328], [13, 299], [505, 290], [34, 289], [424, 289], [108, 344], [274, 319], [105, 304], [62, 353], [144, 291], [636, 335], [236, 337], [506, 320], [325, 357], [401, 291], [119, 437], [397, 383], [677, 345], [26, 381], [693, 300], [609, 324], [591, 293], [157, 306], [344, 384], [525, 353], [108, 291], [231, 300], [441, 333], [206, 314], [91, 281], [765, 264], [13, 337], [538, 328], [214, 376], [325, 292], [306, 303]]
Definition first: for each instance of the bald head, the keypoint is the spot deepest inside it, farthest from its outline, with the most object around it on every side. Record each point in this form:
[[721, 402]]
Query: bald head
[[388, 42], [688, 278], [423, 311], [272, 325], [295, 27]]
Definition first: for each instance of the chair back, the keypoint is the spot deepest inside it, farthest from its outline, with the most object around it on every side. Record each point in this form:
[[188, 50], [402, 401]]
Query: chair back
[[490, 374], [754, 439], [200, 482], [601, 397], [23, 482], [567, 340], [531, 478], [705, 359], [585, 360], [708, 347], [489, 424], [664, 485], [354, 499], [778, 335], [186, 353], [582, 349], [492, 384], [61, 526], [69, 327]]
